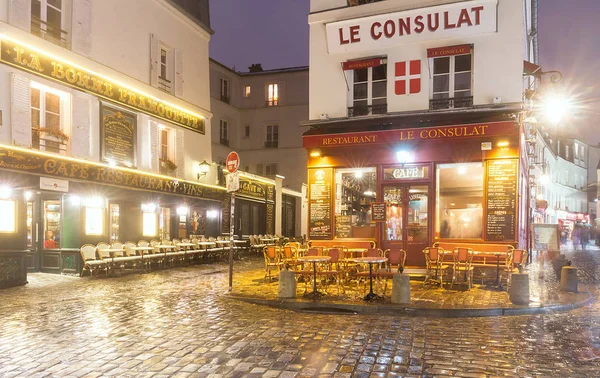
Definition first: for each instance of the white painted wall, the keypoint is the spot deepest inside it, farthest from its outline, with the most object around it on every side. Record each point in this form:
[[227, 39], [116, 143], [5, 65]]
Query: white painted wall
[[120, 50], [498, 57]]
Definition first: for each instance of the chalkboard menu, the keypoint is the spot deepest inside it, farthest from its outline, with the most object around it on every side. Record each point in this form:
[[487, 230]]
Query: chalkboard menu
[[320, 183], [378, 211], [343, 226], [118, 130], [501, 200]]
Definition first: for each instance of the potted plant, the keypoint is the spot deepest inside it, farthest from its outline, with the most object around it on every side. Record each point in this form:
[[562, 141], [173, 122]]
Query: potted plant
[[56, 134], [168, 165]]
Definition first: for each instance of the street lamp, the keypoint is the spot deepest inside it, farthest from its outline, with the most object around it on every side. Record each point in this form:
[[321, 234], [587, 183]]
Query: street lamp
[[204, 169]]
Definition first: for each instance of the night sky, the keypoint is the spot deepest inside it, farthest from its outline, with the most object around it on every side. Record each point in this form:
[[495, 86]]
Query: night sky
[[275, 34]]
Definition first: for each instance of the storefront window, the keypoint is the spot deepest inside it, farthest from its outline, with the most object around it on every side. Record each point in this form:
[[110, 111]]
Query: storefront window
[[29, 225], [52, 210], [114, 221], [8, 220], [460, 199], [164, 223], [356, 189], [149, 224]]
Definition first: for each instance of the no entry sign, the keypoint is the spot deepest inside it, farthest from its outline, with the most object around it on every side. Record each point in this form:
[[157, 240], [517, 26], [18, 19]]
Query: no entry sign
[[233, 162]]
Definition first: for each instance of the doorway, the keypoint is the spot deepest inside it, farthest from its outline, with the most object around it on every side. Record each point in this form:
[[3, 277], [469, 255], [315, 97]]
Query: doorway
[[407, 223]]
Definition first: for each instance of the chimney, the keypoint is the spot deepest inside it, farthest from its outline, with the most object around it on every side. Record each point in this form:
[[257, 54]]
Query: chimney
[[257, 67]]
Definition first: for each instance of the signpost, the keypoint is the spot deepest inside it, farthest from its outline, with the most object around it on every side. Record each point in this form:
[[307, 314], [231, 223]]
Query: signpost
[[233, 184]]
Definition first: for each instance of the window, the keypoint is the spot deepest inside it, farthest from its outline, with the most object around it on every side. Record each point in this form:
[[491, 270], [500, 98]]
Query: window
[[225, 90], [164, 223], [247, 131], [163, 63], [52, 211], [47, 120], [8, 220], [166, 155], [47, 19], [368, 91], [272, 136], [270, 169], [247, 91], [223, 132], [355, 190], [460, 201], [452, 77], [272, 94]]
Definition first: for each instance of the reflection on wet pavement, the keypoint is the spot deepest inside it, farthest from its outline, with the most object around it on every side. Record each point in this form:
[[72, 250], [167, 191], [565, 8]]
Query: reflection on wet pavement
[[183, 323]]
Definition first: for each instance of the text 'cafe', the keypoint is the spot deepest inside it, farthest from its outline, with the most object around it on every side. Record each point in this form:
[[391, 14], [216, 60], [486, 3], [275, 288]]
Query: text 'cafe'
[[408, 188]]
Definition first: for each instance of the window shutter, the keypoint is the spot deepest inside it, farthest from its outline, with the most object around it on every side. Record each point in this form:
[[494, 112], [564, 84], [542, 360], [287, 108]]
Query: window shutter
[[179, 153], [178, 54], [20, 114], [81, 38], [281, 93], [259, 169], [154, 60], [19, 14], [80, 128], [153, 132]]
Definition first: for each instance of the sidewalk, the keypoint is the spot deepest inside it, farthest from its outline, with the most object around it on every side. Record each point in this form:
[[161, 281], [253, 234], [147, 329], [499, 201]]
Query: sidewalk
[[545, 296]]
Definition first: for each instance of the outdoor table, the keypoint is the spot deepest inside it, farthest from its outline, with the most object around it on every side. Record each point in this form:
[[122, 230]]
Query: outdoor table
[[498, 284], [371, 260], [111, 252], [355, 251], [185, 247], [206, 245], [164, 247], [314, 260], [267, 240], [142, 249]]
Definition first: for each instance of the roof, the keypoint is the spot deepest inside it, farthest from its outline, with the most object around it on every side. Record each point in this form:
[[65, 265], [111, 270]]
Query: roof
[[264, 72]]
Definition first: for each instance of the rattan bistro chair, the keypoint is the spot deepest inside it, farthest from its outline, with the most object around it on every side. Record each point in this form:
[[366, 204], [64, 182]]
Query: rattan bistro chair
[[90, 262], [272, 261], [518, 258], [436, 268], [332, 268], [462, 265]]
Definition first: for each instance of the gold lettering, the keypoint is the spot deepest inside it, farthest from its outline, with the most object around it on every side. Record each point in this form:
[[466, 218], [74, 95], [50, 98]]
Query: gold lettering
[[50, 166], [132, 99], [118, 178], [161, 110], [135, 181], [108, 89], [101, 175], [122, 95], [169, 112], [58, 71], [35, 63], [62, 169], [70, 75], [74, 169], [85, 172], [19, 58], [110, 176], [97, 85]]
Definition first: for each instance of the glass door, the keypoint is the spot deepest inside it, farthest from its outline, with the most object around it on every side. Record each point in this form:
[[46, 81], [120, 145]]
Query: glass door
[[407, 220]]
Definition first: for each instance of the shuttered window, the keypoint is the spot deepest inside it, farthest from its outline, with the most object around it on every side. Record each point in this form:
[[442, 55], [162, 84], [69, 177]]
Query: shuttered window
[[48, 119]]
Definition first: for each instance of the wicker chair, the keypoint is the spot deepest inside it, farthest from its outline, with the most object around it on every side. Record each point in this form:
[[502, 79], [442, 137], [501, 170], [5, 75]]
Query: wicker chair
[[436, 268], [90, 262], [462, 265]]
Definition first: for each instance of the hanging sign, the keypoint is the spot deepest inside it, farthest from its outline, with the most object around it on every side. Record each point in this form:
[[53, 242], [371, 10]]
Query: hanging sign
[[378, 211]]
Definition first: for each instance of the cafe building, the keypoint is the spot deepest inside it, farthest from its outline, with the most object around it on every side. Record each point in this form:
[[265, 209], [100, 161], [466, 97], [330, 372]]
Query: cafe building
[[104, 132], [416, 133]]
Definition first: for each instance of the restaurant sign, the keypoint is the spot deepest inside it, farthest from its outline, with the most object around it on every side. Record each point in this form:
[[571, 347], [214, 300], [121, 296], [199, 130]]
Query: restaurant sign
[[417, 134], [406, 172], [50, 68], [36, 163], [253, 189]]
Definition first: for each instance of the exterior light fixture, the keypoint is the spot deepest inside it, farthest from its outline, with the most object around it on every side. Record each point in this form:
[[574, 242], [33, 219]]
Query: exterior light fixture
[[404, 157], [182, 210], [212, 214], [315, 153], [5, 192], [503, 143], [204, 169], [28, 195]]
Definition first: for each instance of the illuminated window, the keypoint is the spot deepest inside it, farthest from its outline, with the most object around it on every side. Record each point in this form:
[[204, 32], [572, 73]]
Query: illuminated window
[[48, 123], [355, 190], [163, 63], [247, 91], [273, 95], [460, 201], [52, 212], [368, 90], [94, 220], [164, 223], [8, 220], [149, 224], [167, 150]]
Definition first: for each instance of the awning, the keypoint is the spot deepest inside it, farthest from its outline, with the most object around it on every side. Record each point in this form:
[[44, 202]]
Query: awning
[[531, 69]]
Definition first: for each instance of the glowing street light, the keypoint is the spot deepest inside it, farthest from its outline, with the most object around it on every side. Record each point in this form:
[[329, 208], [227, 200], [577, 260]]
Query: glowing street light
[[555, 108]]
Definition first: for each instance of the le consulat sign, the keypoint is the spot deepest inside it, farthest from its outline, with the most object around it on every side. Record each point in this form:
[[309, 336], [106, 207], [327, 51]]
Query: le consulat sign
[[39, 64]]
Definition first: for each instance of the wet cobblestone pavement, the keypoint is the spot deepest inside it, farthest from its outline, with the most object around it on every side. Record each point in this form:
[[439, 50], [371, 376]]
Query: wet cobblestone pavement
[[182, 322]]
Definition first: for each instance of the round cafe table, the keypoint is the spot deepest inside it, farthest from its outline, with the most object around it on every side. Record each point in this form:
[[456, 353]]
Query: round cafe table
[[371, 260], [314, 260]]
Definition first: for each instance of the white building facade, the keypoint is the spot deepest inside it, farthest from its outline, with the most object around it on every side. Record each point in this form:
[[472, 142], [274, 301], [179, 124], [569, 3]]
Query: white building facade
[[110, 108], [417, 106], [259, 114]]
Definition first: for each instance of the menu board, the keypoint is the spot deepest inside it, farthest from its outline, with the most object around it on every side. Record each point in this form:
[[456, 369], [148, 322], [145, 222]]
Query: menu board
[[270, 224], [343, 226], [546, 237], [320, 184], [501, 200], [118, 130], [378, 211]]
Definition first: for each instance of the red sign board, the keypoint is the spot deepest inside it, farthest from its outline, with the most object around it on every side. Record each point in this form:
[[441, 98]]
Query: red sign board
[[450, 50], [233, 162], [358, 64]]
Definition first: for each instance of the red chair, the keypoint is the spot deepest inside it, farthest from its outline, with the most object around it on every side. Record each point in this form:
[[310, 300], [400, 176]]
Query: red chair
[[434, 262]]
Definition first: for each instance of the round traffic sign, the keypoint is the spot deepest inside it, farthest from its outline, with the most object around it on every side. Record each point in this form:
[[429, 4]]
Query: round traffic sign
[[233, 162]]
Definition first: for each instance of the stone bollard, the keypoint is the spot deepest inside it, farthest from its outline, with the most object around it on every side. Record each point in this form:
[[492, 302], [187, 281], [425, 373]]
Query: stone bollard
[[401, 288], [519, 288], [568, 279], [287, 284]]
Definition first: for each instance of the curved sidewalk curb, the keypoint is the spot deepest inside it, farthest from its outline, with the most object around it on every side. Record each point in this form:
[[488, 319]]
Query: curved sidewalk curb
[[402, 310]]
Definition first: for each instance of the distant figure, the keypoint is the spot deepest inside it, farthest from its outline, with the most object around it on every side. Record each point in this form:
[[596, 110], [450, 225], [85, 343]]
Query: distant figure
[[585, 236], [445, 229]]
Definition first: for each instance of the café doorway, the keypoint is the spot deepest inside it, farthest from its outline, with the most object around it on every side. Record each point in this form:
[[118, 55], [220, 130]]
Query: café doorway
[[407, 223]]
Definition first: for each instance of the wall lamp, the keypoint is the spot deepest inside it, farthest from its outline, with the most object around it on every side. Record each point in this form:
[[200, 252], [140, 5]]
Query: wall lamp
[[204, 169], [315, 153]]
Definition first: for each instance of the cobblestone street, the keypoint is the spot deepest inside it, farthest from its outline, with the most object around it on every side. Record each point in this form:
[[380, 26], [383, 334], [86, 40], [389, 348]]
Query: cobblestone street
[[182, 322]]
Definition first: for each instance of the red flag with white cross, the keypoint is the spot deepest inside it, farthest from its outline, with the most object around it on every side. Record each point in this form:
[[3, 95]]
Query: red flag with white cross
[[408, 77]]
